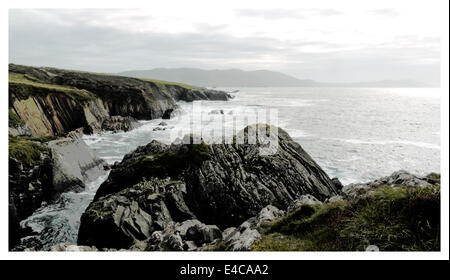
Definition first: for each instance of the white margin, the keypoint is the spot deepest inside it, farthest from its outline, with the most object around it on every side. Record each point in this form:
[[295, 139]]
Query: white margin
[[4, 254]]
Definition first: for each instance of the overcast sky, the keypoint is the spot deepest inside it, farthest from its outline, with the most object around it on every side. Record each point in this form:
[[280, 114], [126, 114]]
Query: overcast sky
[[359, 41]]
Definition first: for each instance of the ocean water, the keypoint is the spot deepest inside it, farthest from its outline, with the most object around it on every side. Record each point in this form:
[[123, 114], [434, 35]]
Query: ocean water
[[354, 134]]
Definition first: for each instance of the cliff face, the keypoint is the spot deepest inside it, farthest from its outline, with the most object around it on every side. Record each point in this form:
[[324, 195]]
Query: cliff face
[[219, 184], [53, 102]]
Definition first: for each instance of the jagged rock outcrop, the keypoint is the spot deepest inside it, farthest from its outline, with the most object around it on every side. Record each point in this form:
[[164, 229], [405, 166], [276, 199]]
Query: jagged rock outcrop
[[29, 186], [53, 101], [219, 184]]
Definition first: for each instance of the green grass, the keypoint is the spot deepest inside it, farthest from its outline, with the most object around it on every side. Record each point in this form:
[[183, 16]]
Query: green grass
[[166, 83], [14, 120], [171, 164], [157, 82], [400, 219], [27, 81], [25, 150], [42, 139]]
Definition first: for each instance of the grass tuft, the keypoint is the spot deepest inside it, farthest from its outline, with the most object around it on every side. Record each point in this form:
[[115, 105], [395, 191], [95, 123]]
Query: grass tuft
[[25, 150], [14, 120]]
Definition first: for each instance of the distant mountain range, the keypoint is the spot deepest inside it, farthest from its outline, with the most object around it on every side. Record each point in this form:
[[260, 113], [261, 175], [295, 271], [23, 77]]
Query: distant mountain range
[[240, 78]]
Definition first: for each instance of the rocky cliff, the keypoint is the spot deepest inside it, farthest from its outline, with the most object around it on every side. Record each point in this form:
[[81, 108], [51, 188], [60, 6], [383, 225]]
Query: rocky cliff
[[218, 184], [52, 101]]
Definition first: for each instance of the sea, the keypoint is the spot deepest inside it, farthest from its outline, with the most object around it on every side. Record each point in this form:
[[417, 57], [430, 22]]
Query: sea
[[354, 134]]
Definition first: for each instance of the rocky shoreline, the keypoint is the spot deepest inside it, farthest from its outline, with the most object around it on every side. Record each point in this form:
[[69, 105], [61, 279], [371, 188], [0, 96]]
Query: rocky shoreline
[[49, 110], [190, 195], [193, 235]]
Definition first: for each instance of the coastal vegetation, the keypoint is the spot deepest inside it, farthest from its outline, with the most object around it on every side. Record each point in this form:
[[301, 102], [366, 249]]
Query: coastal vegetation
[[392, 218], [25, 86], [27, 150]]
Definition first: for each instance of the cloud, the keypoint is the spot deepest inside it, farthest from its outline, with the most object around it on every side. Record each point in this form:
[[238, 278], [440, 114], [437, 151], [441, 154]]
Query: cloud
[[274, 14], [392, 13], [89, 42]]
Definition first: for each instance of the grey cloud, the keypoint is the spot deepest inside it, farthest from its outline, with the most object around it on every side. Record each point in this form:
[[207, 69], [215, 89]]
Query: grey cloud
[[274, 14], [384, 12], [35, 41]]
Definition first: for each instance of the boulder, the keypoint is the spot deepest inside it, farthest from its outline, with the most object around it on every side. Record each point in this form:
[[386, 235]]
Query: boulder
[[337, 183], [335, 199], [73, 164], [267, 214], [186, 236], [245, 240], [23, 130], [303, 199], [69, 247]]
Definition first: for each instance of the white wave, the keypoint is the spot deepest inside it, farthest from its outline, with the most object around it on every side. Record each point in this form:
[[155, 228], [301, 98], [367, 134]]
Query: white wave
[[388, 142]]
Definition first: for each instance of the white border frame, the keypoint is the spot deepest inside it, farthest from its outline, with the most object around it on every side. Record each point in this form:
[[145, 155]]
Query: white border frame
[[5, 254]]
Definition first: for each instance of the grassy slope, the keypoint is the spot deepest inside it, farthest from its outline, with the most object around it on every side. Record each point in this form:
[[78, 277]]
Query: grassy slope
[[400, 219], [157, 82], [165, 83], [25, 82], [27, 150], [28, 80]]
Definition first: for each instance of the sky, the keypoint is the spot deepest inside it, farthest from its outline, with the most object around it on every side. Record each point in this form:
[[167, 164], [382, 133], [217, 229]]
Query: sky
[[327, 41]]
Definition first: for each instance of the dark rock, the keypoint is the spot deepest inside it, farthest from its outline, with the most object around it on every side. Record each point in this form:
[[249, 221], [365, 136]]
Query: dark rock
[[216, 112], [167, 114], [119, 220], [13, 225], [119, 123], [202, 234], [29, 185], [337, 183]]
